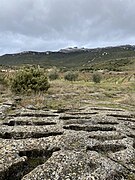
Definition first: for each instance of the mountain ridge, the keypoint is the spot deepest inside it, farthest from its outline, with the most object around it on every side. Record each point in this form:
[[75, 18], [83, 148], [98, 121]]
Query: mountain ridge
[[72, 57], [71, 49]]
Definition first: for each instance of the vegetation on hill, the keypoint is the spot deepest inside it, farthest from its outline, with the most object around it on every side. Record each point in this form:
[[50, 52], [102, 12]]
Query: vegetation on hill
[[111, 58], [116, 66]]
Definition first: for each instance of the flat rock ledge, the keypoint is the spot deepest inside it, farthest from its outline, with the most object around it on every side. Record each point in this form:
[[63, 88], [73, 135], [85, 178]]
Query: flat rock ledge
[[87, 144]]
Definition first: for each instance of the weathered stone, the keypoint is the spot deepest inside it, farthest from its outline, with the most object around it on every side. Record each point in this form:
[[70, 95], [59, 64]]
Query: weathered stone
[[85, 144]]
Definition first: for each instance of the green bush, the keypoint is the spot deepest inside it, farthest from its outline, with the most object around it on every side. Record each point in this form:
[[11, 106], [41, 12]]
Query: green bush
[[71, 76], [96, 77], [53, 75], [3, 80], [29, 79]]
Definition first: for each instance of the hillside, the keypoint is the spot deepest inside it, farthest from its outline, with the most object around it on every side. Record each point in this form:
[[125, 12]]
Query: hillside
[[75, 130], [111, 58]]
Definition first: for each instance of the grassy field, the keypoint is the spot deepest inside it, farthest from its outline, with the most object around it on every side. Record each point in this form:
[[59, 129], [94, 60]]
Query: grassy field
[[115, 90]]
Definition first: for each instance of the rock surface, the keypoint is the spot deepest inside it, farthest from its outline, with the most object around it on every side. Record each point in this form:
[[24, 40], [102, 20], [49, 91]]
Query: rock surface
[[86, 144]]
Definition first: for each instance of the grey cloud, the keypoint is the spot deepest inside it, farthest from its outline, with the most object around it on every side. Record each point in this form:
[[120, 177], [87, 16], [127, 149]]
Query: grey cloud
[[53, 24]]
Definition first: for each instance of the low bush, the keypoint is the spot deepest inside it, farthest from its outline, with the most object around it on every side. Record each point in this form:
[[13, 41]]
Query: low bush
[[71, 76], [53, 75], [3, 80], [3, 83], [29, 79], [96, 77]]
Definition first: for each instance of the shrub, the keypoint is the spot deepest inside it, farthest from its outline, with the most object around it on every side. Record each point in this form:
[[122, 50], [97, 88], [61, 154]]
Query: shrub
[[3, 80], [3, 83], [71, 76], [53, 75], [29, 79], [96, 77]]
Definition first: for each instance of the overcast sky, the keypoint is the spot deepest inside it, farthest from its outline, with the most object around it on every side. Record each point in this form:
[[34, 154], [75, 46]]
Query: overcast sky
[[43, 25]]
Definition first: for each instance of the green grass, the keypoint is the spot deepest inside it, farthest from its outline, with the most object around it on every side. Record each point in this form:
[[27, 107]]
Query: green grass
[[115, 90], [64, 94]]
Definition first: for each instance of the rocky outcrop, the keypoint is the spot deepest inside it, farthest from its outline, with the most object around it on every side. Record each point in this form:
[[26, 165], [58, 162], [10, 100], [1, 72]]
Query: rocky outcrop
[[90, 144]]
